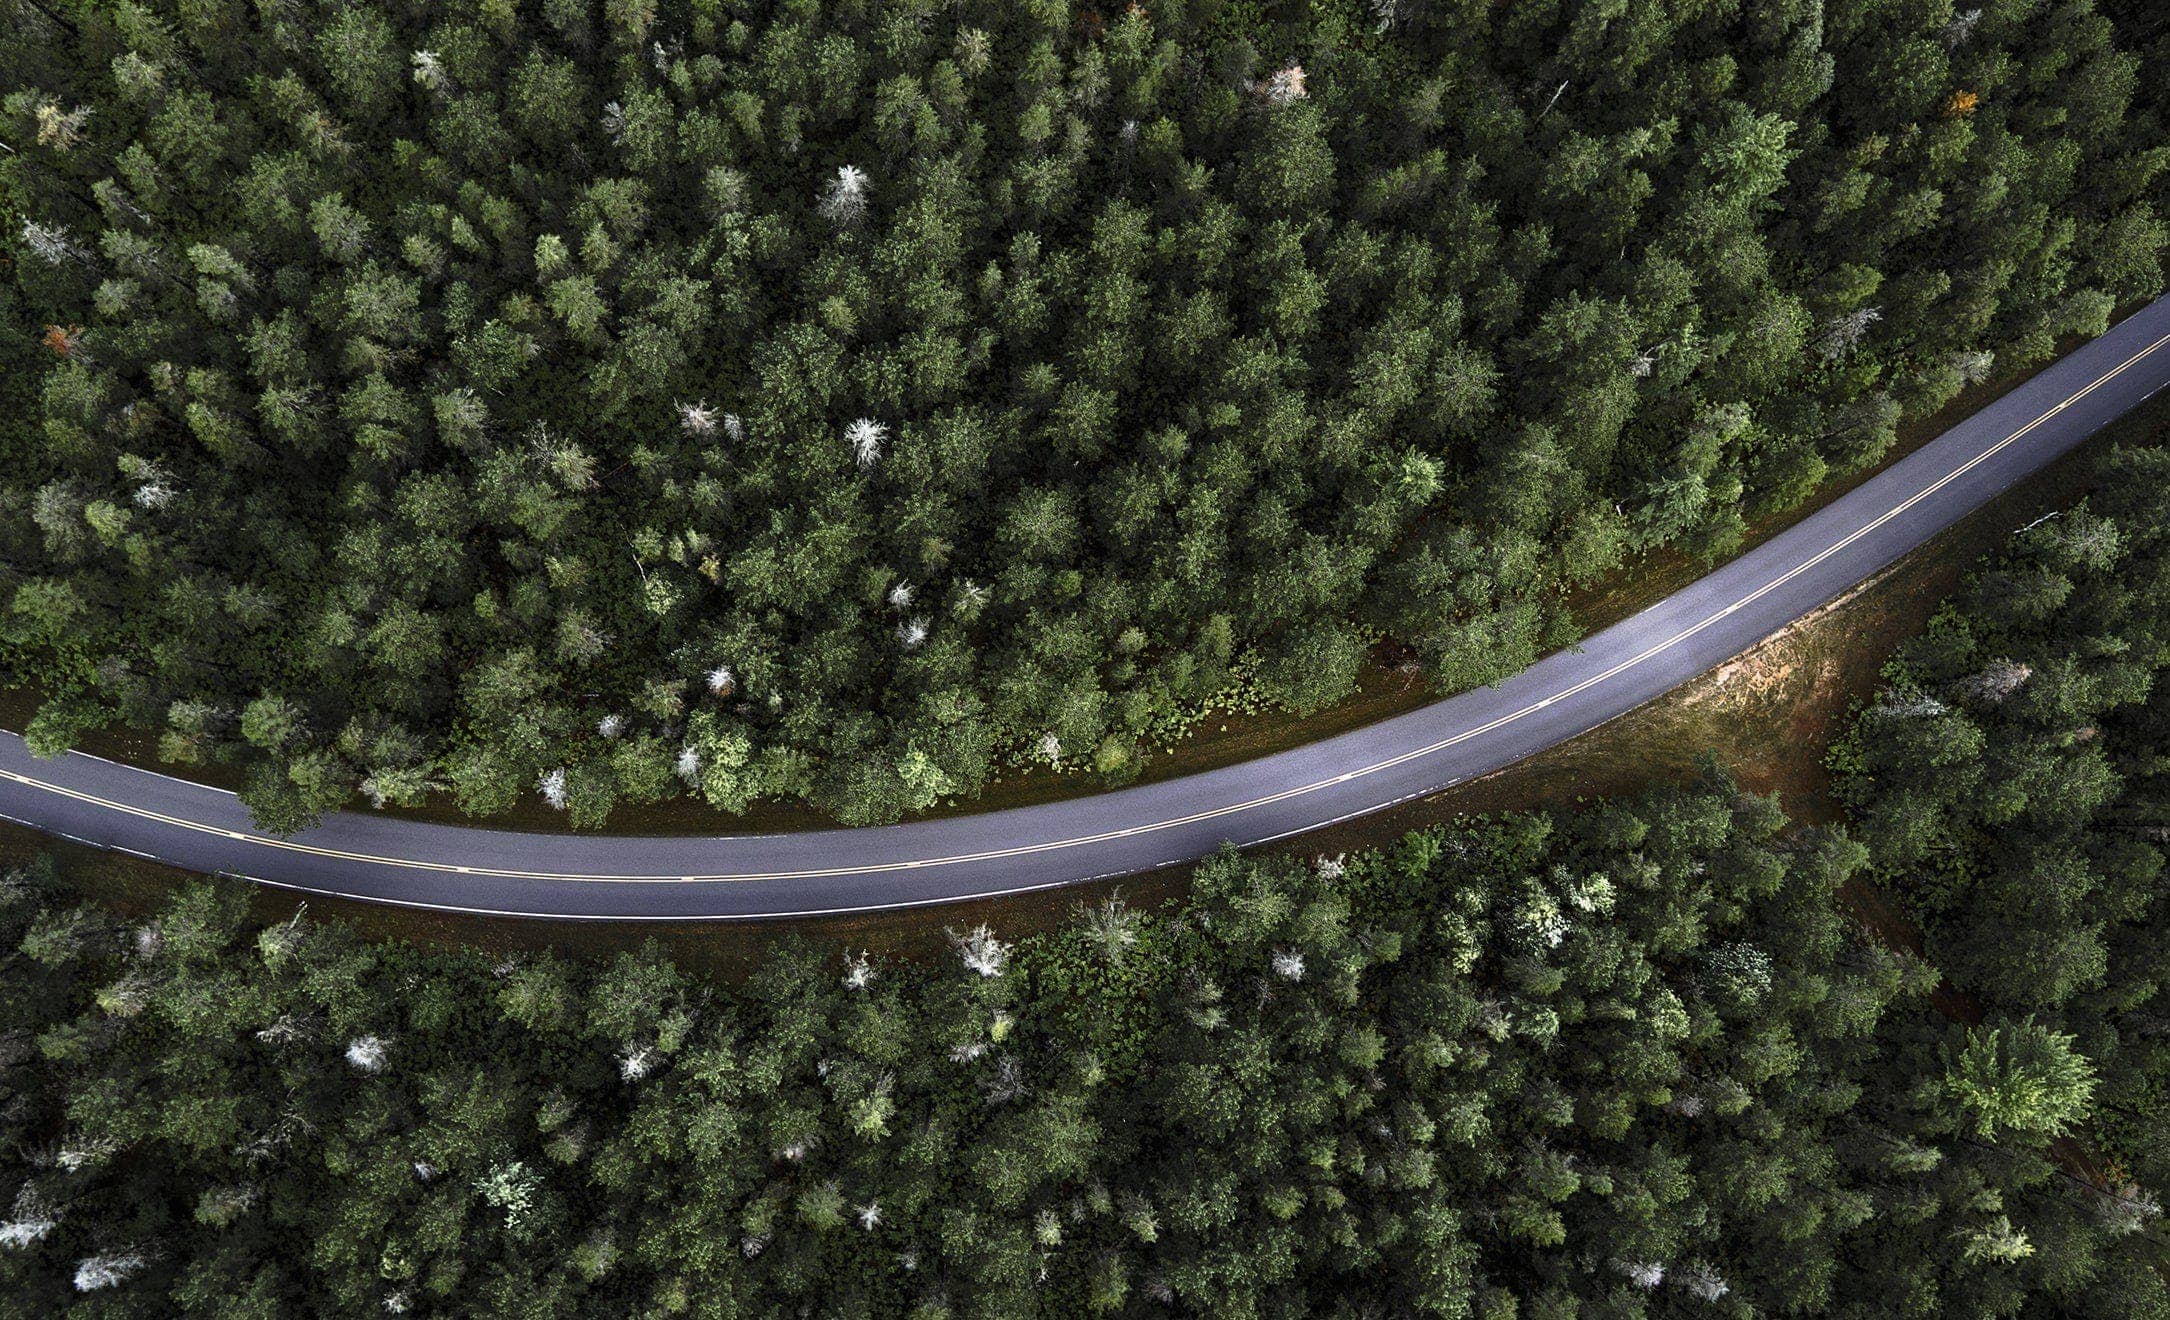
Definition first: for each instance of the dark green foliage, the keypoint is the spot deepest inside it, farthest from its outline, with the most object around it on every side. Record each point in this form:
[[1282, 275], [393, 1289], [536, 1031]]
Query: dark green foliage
[[1623, 1063], [458, 379], [2013, 784]]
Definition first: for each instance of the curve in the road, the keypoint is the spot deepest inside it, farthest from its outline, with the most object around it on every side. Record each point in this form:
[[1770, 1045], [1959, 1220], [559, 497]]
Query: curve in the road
[[474, 870]]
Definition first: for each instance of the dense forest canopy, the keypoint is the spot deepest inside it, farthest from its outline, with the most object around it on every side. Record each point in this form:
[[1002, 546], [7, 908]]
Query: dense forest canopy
[[2013, 786], [1631, 1062], [846, 400]]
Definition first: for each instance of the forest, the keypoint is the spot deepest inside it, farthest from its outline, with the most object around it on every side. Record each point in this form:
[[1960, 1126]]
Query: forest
[[2012, 786], [1632, 1061], [1640, 1057], [851, 402]]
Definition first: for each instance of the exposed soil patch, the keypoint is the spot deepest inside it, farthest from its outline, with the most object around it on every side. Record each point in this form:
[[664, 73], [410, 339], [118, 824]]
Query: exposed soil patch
[[1767, 714]]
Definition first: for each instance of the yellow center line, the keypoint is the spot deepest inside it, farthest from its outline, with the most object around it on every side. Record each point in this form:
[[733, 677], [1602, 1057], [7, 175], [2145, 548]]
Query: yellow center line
[[1214, 813]]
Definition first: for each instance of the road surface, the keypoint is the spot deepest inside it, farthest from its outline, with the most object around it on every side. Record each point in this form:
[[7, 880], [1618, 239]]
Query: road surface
[[595, 877]]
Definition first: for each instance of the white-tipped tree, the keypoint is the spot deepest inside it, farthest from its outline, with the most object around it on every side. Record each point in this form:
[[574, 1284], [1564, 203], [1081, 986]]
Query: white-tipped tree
[[1005, 1083], [1843, 333], [50, 244], [1284, 86], [462, 416], [1997, 681], [697, 419], [429, 72], [2126, 1208], [1113, 927], [369, 1054], [1139, 1216], [1702, 1282], [981, 951], [128, 996], [106, 1270], [29, 1222], [77, 1156], [844, 201], [153, 494], [859, 971], [1895, 707], [865, 438]]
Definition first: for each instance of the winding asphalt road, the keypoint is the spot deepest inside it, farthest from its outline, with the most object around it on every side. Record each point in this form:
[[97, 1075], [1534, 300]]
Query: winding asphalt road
[[462, 869]]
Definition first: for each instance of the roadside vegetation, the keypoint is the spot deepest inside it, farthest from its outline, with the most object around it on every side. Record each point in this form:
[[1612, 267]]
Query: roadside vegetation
[[848, 402], [1637, 1058]]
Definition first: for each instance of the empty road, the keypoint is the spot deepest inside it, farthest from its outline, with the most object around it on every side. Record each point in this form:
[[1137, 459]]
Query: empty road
[[748, 877]]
